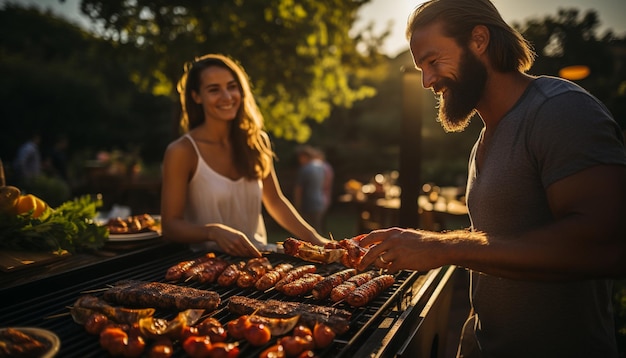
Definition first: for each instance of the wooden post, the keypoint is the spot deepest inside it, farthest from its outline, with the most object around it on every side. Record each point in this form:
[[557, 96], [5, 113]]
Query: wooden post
[[3, 181], [410, 148]]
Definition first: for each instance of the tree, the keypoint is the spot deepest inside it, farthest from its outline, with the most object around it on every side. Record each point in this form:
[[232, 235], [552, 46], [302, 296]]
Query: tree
[[62, 80], [363, 140], [571, 38], [297, 53]]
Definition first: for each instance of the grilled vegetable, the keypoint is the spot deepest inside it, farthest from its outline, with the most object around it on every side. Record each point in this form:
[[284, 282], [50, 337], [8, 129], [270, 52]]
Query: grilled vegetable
[[87, 305], [158, 327], [277, 326], [335, 318]]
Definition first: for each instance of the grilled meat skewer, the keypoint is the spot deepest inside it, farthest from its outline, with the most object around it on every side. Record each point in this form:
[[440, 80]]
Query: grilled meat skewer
[[230, 275], [323, 288], [161, 295], [177, 271], [270, 278], [254, 269], [363, 294], [337, 319], [295, 274], [208, 271], [302, 285], [342, 291]]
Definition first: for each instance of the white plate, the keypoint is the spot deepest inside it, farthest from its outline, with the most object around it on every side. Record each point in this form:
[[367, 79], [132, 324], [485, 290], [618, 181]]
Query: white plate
[[134, 236], [137, 236], [53, 340]]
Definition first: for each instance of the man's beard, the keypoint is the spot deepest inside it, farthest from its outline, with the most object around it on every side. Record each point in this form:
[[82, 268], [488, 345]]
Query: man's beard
[[456, 111]]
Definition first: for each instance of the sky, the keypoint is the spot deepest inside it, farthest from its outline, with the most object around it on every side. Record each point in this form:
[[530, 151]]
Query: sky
[[612, 14]]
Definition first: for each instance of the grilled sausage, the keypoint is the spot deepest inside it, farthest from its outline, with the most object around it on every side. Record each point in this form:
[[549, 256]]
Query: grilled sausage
[[322, 289], [230, 274], [302, 285], [176, 272], [295, 274], [270, 278], [254, 269], [363, 294], [207, 271], [343, 290]]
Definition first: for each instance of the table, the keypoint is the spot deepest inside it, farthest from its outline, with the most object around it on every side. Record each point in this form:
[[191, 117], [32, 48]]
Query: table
[[380, 213]]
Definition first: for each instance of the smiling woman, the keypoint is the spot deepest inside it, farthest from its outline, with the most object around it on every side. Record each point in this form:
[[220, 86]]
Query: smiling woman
[[217, 176]]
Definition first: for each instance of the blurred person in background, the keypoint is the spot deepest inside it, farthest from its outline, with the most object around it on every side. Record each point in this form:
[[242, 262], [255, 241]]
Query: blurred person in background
[[27, 164], [309, 191], [57, 158], [546, 192], [329, 179], [217, 176]]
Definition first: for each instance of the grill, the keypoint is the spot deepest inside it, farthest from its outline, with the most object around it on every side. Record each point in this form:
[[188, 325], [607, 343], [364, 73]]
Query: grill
[[386, 327]]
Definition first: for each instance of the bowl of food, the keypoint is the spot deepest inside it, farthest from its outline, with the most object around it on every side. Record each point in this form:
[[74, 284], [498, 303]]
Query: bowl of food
[[28, 342]]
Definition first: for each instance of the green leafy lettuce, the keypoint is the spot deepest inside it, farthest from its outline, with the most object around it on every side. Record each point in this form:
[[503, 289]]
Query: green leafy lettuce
[[68, 227]]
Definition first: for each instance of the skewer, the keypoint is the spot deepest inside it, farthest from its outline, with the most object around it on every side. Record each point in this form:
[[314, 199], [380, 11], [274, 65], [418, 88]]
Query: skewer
[[338, 302], [269, 289], [96, 290], [205, 316], [58, 315]]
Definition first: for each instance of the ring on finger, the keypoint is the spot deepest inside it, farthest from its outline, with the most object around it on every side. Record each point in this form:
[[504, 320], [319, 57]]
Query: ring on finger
[[383, 260]]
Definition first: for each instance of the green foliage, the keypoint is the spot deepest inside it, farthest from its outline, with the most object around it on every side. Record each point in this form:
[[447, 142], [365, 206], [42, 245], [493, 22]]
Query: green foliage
[[68, 227], [298, 54], [59, 79], [52, 190], [308, 76]]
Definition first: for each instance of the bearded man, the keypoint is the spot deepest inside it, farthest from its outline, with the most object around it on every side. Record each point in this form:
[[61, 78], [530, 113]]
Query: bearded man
[[546, 192]]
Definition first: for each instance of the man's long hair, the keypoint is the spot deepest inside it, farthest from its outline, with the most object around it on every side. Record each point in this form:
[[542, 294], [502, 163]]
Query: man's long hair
[[508, 49], [251, 146]]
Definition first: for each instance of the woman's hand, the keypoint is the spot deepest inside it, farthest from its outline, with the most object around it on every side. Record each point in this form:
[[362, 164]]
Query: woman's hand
[[232, 242]]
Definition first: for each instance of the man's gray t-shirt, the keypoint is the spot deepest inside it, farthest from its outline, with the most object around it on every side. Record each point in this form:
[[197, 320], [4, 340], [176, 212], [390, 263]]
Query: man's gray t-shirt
[[311, 179], [555, 130]]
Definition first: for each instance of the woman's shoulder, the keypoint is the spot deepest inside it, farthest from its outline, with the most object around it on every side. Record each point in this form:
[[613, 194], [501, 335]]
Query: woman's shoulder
[[182, 142], [180, 146]]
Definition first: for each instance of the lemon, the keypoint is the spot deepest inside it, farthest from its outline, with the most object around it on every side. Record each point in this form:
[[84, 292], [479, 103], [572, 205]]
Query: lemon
[[29, 202], [40, 207]]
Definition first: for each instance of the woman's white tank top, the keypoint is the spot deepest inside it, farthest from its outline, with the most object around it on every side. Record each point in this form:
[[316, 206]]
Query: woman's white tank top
[[214, 198]]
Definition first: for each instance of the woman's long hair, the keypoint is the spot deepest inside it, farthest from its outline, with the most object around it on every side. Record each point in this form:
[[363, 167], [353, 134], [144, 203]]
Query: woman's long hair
[[252, 150], [508, 49]]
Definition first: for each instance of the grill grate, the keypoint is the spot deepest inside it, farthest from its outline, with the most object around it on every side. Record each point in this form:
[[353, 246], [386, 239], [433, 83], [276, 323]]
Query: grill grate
[[47, 311]]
